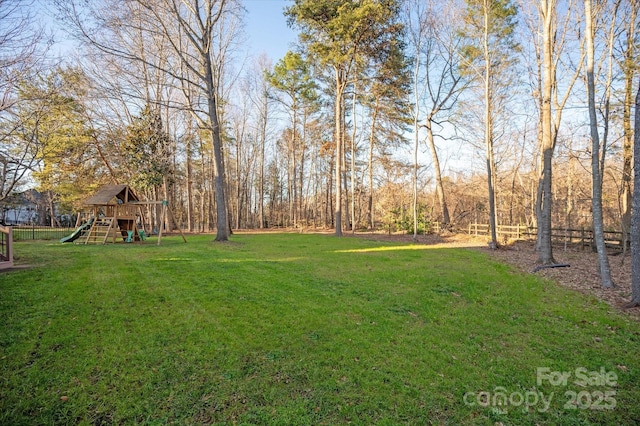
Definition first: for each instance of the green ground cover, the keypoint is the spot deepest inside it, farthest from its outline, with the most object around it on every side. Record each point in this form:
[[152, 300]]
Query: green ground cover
[[303, 329]]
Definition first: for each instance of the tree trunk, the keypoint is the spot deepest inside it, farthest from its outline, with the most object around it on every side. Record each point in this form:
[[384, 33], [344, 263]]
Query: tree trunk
[[414, 174], [338, 117], [222, 224], [444, 210], [569, 210], [492, 195], [598, 223], [545, 251], [545, 197], [353, 162], [238, 183], [627, 148], [345, 182], [189, 176], [293, 166], [371, 146], [329, 208], [263, 139], [302, 196], [488, 134], [635, 212]]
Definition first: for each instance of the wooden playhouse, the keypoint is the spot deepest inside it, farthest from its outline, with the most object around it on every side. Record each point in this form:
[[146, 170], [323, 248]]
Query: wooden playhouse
[[117, 216]]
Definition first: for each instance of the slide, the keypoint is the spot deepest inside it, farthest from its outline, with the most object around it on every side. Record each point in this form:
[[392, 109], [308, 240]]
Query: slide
[[81, 230]]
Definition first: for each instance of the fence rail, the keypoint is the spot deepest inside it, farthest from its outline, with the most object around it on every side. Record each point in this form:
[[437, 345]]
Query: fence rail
[[583, 236], [25, 233]]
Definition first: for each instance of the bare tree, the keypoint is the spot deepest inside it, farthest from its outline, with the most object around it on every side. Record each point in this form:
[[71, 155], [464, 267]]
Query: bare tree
[[629, 65], [488, 54], [23, 45], [598, 223], [438, 81], [189, 30], [550, 38], [635, 212], [259, 95]]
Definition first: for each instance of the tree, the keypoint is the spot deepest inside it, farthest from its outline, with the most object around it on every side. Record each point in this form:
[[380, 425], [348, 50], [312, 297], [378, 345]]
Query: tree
[[386, 100], [547, 12], [55, 121], [296, 91], [635, 211], [488, 54], [438, 84], [18, 150], [550, 39], [147, 149], [629, 65], [259, 95], [598, 222], [187, 33], [343, 36], [23, 46]]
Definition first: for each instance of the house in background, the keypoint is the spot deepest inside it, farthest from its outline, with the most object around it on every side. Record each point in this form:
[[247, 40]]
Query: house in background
[[20, 208], [28, 208]]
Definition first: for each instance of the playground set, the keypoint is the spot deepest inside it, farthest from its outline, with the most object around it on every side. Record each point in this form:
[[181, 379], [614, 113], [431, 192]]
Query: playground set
[[116, 216]]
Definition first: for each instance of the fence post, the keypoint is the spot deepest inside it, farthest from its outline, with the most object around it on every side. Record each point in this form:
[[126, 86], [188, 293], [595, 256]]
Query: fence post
[[622, 242], [10, 246]]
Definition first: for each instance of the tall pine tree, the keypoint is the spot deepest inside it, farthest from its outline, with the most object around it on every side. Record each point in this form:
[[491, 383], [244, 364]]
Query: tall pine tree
[[344, 37]]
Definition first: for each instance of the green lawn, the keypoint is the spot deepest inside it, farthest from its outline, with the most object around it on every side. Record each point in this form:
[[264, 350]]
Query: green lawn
[[293, 329]]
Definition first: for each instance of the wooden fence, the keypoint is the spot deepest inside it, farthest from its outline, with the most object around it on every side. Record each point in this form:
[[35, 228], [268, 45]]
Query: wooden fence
[[6, 247], [582, 236]]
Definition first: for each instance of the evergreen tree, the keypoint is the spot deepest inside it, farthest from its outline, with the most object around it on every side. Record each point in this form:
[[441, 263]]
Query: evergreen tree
[[147, 151], [344, 37]]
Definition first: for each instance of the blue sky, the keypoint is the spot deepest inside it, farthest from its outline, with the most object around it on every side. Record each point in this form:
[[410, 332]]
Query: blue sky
[[267, 29]]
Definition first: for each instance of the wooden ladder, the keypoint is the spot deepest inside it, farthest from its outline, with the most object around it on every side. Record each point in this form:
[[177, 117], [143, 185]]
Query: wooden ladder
[[102, 229]]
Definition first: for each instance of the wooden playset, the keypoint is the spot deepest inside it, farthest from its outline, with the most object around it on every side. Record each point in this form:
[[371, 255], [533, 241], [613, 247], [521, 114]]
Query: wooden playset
[[116, 216], [6, 247]]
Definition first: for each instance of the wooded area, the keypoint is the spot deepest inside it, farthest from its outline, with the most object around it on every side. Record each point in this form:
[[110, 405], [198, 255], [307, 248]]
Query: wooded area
[[387, 114]]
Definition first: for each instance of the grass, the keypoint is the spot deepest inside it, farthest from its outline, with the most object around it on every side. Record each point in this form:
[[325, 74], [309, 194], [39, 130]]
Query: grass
[[301, 329]]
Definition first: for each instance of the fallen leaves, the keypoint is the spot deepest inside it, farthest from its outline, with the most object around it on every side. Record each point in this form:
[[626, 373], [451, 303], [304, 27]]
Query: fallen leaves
[[582, 276]]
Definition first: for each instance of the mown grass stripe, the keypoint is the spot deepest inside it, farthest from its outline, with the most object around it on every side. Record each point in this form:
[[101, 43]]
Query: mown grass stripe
[[294, 329]]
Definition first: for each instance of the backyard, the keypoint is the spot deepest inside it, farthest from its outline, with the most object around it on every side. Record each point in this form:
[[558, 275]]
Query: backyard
[[279, 328]]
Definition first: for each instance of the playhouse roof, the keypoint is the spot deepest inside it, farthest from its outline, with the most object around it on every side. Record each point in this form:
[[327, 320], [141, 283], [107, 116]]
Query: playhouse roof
[[108, 194]]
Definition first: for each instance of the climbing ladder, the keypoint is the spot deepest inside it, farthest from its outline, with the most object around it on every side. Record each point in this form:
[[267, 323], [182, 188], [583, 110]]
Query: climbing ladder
[[103, 228]]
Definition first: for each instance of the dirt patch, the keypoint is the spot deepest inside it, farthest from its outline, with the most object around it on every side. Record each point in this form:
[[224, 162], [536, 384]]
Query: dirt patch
[[582, 274], [445, 239]]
